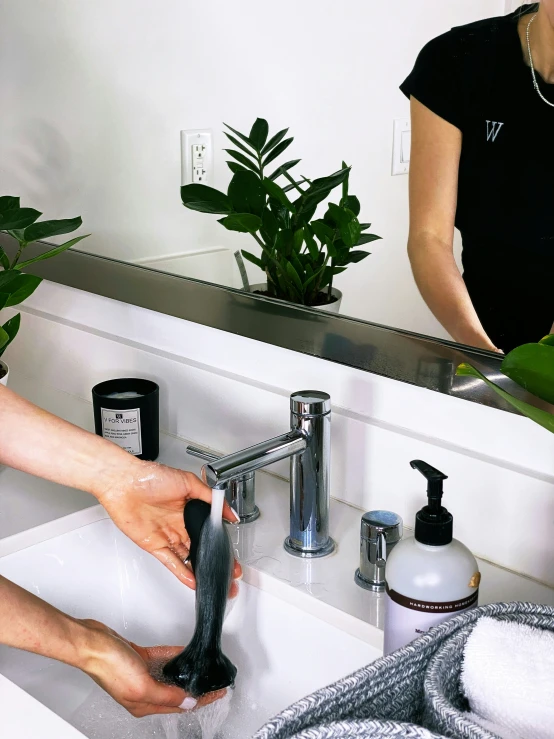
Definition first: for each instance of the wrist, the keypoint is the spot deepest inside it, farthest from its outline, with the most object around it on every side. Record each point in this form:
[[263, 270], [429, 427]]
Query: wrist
[[119, 474], [89, 642], [478, 339]]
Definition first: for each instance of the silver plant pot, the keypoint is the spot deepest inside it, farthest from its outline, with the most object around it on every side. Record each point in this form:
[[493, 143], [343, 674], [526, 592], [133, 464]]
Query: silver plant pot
[[333, 307]]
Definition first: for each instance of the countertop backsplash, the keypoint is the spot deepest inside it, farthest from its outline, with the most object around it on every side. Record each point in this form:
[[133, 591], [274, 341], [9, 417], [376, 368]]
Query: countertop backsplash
[[226, 392]]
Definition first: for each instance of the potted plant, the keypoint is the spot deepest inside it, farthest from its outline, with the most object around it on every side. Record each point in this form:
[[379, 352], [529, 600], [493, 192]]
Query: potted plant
[[299, 254], [532, 367], [15, 286]]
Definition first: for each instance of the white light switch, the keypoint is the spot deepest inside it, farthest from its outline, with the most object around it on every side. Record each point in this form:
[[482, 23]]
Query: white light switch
[[401, 146], [196, 157]]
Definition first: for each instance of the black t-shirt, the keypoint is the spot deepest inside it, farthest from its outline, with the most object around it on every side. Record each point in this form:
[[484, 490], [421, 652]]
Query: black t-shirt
[[476, 78]]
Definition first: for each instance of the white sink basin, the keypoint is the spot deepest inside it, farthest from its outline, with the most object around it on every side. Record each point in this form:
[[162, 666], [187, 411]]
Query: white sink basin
[[282, 652]]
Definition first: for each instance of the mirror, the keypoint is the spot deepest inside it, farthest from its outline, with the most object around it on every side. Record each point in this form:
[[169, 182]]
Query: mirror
[[98, 94]]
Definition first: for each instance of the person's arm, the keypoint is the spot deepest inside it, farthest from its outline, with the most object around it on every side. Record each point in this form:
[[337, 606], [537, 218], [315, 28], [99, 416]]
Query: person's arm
[[434, 163], [144, 499], [118, 666]]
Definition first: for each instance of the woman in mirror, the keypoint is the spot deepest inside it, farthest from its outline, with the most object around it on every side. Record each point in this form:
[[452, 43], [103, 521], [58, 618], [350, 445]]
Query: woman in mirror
[[482, 161]]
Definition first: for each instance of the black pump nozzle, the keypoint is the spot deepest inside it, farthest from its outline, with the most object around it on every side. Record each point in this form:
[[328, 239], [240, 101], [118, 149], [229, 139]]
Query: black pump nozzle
[[434, 483], [433, 522]]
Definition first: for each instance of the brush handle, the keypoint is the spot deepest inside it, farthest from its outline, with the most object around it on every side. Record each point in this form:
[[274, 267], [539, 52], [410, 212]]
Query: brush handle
[[196, 513]]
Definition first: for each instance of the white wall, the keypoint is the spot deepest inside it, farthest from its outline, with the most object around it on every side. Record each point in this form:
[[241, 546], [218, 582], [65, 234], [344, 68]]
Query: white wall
[[94, 95], [227, 392]]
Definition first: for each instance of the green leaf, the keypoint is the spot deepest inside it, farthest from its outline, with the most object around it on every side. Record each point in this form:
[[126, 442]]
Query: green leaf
[[242, 159], [243, 222], [7, 278], [317, 192], [4, 261], [311, 243], [22, 287], [543, 418], [532, 367], [293, 274], [352, 203], [274, 140], [52, 252], [367, 239], [350, 232], [10, 328], [314, 277], [236, 142], [277, 151], [4, 340], [18, 218], [8, 202], [281, 213], [284, 242], [252, 258], [17, 233], [246, 193], [239, 134], [548, 340], [356, 256], [365, 226], [4, 297], [236, 167], [327, 184], [47, 229], [274, 191], [298, 240], [258, 134], [269, 225], [337, 216], [205, 199], [323, 232], [284, 168]]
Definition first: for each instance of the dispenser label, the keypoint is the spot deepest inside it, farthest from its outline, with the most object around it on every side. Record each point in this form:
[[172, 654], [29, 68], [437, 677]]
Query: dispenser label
[[407, 618], [123, 428]]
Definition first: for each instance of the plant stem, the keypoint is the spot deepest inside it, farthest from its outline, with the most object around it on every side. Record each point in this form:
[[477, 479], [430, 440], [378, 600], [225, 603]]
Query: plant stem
[[330, 288], [17, 257]]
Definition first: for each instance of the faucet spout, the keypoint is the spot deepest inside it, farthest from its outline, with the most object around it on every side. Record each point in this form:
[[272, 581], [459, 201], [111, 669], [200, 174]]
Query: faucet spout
[[223, 470], [308, 445]]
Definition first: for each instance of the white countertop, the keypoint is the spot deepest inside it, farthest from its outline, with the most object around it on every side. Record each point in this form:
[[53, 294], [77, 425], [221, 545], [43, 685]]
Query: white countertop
[[323, 587]]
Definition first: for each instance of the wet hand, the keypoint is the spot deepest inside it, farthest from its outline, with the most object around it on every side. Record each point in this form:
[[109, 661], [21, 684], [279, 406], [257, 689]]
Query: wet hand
[[123, 669], [146, 502]]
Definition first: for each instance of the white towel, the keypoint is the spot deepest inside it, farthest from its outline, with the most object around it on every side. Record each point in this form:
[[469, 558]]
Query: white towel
[[508, 678]]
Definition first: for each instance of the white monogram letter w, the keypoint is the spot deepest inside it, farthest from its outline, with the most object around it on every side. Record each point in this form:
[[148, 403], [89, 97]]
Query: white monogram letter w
[[493, 129]]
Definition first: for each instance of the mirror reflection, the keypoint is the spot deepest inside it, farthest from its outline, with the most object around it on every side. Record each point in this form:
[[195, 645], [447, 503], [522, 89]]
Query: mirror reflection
[[391, 164]]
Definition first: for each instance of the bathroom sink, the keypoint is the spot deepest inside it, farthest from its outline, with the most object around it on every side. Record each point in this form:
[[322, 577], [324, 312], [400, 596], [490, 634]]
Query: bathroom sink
[[282, 652]]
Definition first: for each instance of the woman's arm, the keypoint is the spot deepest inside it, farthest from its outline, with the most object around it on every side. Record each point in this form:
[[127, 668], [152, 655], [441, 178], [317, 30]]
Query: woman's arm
[[434, 162], [118, 666], [144, 499]]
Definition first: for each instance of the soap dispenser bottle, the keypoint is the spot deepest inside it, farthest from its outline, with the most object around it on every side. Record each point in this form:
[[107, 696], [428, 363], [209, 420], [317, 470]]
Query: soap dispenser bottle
[[431, 576]]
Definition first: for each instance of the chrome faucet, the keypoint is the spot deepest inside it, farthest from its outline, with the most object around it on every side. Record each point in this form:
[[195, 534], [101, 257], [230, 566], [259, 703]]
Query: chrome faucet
[[308, 444]]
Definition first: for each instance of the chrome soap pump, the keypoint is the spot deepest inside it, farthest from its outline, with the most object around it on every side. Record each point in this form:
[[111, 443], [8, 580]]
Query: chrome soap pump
[[380, 531]]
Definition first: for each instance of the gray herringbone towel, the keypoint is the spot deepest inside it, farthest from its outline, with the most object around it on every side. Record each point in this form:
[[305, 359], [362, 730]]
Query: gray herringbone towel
[[411, 694]]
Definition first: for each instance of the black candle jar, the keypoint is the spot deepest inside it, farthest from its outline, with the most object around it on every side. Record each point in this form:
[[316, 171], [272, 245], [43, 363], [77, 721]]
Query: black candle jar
[[127, 412]]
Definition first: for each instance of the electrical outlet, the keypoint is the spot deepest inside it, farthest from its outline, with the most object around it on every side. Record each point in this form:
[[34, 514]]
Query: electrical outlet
[[196, 157]]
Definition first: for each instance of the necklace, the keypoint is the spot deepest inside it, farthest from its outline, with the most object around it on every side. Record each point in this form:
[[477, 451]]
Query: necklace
[[535, 82]]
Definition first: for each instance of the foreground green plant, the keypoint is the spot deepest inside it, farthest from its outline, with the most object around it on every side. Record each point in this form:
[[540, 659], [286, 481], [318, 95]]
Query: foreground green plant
[[532, 367], [300, 255], [23, 226]]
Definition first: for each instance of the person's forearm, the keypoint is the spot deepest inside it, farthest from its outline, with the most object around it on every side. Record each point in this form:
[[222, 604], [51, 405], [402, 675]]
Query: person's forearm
[[443, 289], [29, 623], [41, 444]]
